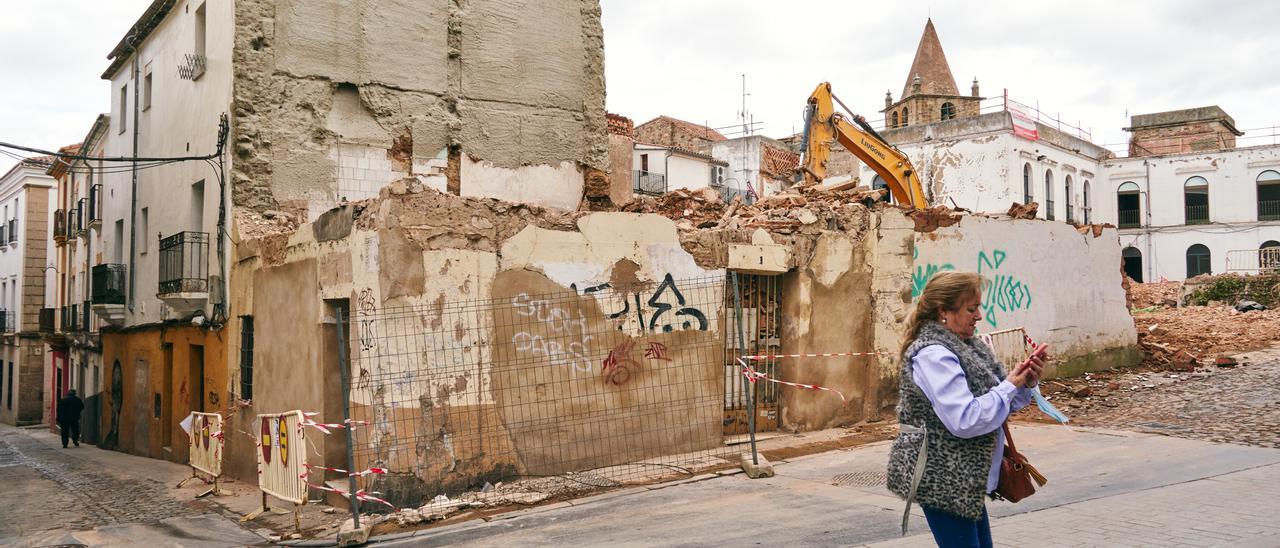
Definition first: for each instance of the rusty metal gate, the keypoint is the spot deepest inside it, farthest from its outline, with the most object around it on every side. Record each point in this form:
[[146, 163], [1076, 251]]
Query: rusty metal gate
[[756, 309]]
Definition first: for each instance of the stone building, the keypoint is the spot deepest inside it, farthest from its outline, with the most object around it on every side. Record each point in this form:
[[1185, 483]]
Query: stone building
[[27, 195], [930, 94], [670, 132]]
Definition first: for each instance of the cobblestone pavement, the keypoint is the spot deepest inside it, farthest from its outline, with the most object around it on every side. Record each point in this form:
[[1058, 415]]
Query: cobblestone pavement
[[1238, 405], [72, 493]]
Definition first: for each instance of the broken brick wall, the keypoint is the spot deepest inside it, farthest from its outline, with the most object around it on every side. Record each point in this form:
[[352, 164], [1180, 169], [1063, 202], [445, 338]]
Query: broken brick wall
[[1201, 136], [332, 100]]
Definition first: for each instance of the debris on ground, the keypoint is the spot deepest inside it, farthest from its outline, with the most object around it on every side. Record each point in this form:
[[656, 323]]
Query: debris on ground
[[789, 211], [1147, 295]]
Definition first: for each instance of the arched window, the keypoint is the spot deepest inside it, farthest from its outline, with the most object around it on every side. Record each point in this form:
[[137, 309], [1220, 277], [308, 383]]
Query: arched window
[[893, 119], [1197, 260], [878, 183], [1048, 194], [1026, 183], [1085, 203], [1269, 255], [948, 111], [1195, 197], [1070, 217], [906, 118], [1127, 205], [1131, 262], [1269, 195]]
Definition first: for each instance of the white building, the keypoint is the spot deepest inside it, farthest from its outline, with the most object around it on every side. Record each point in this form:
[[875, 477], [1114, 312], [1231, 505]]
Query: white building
[[26, 198], [765, 165], [660, 169]]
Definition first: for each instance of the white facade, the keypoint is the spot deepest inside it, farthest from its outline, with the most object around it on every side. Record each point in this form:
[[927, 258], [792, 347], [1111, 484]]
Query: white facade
[[26, 196], [744, 156], [169, 116], [678, 168], [1243, 210], [980, 165]]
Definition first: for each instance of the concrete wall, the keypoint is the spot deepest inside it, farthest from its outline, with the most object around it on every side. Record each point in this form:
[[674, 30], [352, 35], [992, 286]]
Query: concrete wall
[[498, 100], [1233, 206], [621, 167], [1062, 286]]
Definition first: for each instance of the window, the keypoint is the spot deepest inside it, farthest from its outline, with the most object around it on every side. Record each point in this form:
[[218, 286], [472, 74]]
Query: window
[[1048, 194], [878, 183], [1131, 263], [1195, 198], [9, 387], [142, 232], [200, 31], [905, 117], [119, 241], [893, 120], [122, 120], [146, 89], [1269, 255], [1269, 195], [1197, 260], [1067, 187], [948, 111], [197, 207], [1026, 183], [246, 357], [1127, 206], [1085, 204], [644, 163]]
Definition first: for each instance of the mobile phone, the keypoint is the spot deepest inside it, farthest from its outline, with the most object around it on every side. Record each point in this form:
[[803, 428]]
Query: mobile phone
[[1038, 352]]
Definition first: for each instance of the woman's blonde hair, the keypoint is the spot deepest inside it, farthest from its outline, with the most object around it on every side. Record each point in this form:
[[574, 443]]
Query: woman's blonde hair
[[945, 290]]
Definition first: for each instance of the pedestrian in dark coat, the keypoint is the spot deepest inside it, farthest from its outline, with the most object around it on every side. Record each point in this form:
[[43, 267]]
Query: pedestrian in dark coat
[[69, 408]]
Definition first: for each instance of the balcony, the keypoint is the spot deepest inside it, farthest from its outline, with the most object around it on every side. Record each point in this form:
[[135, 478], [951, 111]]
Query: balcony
[[86, 316], [82, 215], [1130, 218], [73, 222], [8, 321], [95, 206], [1197, 214], [108, 293], [47, 316], [653, 184], [60, 227], [184, 271], [71, 318], [1269, 210], [12, 225]]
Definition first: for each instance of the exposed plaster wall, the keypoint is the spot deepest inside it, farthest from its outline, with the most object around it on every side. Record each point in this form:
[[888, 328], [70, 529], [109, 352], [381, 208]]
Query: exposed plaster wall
[[428, 85], [1062, 286]]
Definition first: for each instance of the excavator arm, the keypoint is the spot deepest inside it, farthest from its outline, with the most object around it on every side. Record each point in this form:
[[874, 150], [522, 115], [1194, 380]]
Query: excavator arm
[[823, 126]]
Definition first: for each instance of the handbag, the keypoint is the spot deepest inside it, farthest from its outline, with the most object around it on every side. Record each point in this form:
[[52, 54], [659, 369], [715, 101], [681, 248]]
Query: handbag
[[1016, 474]]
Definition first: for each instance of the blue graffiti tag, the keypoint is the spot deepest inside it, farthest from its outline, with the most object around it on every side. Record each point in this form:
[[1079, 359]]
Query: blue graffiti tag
[[1000, 292], [922, 274]]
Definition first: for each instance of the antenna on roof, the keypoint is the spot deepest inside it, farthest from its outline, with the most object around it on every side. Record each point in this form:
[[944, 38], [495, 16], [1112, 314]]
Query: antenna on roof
[[743, 114]]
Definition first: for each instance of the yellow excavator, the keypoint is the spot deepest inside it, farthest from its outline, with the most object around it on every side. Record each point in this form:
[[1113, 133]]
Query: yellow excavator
[[823, 125]]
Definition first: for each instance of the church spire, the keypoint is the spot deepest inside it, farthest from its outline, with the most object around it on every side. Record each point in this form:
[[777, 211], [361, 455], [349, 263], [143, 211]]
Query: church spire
[[930, 66]]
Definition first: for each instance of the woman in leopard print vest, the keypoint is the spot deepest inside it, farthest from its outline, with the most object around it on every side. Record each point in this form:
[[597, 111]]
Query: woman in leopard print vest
[[952, 403]]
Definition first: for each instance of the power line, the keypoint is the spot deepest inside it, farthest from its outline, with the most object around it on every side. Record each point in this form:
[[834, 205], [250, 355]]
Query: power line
[[130, 159]]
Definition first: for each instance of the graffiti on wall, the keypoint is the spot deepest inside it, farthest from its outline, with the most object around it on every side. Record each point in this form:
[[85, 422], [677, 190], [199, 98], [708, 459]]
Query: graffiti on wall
[[663, 310], [619, 367], [1002, 291], [367, 305], [563, 324]]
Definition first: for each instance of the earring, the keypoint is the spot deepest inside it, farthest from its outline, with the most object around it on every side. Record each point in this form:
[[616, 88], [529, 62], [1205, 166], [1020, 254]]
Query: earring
[[944, 320]]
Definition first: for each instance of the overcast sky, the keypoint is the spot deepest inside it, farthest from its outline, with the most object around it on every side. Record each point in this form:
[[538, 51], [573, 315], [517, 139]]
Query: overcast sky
[[1089, 60]]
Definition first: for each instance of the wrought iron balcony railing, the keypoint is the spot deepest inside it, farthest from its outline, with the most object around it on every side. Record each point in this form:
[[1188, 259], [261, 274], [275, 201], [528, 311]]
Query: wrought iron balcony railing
[[1197, 214], [184, 263], [109, 284], [1130, 218], [644, 182]]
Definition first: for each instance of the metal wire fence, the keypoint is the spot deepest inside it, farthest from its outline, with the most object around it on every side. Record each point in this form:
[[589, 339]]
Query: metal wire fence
[[556, 391]]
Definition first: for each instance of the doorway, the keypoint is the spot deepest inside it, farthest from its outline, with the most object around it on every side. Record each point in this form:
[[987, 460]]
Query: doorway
[[195, 376]]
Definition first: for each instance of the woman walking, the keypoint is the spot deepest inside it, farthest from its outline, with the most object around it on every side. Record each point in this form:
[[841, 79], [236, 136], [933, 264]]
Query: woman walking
[[952, 404]]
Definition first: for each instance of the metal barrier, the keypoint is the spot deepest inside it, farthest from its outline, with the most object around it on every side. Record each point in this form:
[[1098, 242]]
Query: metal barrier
[[1256, 261], [1009, 345], [205, 448], [282, 460]]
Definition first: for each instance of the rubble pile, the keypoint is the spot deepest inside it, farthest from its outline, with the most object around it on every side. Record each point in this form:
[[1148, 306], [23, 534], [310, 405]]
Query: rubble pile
[[1144, 296], [1182, 338], [828, 207]]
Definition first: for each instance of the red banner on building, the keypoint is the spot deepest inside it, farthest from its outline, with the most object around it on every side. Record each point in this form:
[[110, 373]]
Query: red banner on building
[[1023, 125]]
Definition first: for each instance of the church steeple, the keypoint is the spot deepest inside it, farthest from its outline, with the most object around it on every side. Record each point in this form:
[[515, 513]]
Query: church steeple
[[930, 66]]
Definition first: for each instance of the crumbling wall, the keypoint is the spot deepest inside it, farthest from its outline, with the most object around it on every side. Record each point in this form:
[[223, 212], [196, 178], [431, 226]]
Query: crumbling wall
[[1060, 284], [334, 99]]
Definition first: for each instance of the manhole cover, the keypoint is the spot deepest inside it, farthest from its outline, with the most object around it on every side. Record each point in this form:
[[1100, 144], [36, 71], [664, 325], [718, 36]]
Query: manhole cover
[[866, 478]]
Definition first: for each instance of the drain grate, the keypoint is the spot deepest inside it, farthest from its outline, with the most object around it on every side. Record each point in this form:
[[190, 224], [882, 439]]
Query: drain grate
[[865, 478]]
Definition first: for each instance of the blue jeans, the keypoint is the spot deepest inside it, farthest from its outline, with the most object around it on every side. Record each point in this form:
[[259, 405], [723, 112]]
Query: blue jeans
[[950, 530]]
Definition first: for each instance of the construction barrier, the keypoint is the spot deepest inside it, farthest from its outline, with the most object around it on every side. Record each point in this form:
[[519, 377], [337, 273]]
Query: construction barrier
[[282, 456], [1009, 345], [206, 443]]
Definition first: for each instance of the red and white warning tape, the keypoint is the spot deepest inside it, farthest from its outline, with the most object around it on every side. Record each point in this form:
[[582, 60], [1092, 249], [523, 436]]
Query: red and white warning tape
[[753, 375], [330, 426], [360, 494], [341, 471], [825, 355]]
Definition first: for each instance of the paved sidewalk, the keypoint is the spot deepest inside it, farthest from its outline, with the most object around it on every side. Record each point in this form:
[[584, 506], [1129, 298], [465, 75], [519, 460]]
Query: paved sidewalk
[[1107, 488]]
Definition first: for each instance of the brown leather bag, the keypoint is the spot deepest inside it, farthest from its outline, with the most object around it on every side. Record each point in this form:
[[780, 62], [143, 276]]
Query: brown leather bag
[[1016, 474]]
